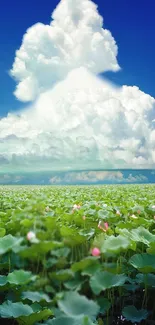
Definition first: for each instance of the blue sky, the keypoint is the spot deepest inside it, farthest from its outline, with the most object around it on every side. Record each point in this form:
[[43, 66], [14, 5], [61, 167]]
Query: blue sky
[[131, 22]]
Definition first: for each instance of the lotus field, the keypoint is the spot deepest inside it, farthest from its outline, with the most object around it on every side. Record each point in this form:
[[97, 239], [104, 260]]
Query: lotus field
[[72, 255]]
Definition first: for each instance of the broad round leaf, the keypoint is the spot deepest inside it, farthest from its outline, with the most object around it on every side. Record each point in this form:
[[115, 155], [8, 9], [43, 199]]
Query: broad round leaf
[[104, 304], [115, 244], [35, 296], [133, 315], [75, 305], [142, 235], [62, 275], [143, 262], [8, 242], [84, 263], [20, 277], [64, 320], [9, 309], [101, 281], [36, 317]]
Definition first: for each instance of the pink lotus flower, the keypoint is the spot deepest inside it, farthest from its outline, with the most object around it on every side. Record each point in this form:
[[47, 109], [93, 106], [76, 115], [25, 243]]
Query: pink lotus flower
[[103, 227], [76, 207], [99, 224], [106, 226], [31, 235], [95, 252]]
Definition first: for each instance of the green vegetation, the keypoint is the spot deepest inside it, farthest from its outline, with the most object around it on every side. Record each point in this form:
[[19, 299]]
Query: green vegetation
[[77, 255]]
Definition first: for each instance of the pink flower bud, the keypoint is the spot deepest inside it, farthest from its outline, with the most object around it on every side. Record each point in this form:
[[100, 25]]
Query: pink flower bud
[[103, 226], [95, 252], [76, 207], [106, 226], [30, 235]]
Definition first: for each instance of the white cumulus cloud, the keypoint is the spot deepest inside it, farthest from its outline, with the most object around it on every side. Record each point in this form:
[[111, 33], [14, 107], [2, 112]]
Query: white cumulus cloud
[[74, 38], [77, 121], [116, 177]]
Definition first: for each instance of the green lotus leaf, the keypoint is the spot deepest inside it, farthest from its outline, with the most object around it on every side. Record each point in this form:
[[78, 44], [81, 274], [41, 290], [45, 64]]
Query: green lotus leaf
[[36, 317], [147, 279], [74, 284], [61, 252], [151, 249], [70, 321], [8, 242], [142, 235], [35, 296], [2, 232], [91, 270], [104, 304], [39, 249], [85, 263], [134, 315], [9, 309], [143, 262], [20, 277], [138, 235], [101, 281], [3, 280], [75, 305], [115, 244], [103, 214], [62, 275]]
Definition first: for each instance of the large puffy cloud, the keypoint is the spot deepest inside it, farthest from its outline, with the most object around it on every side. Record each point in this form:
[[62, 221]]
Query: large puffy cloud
[[74, 38], [78, 121], [82, 122]]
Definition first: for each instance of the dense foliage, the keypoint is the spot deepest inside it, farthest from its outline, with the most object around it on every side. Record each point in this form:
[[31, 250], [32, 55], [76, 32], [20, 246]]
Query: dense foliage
[[77, 255]]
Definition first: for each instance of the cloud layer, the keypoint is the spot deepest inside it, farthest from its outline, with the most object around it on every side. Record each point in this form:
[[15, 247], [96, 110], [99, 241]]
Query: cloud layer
[[83, 177], [77, 121], [115, 177]]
